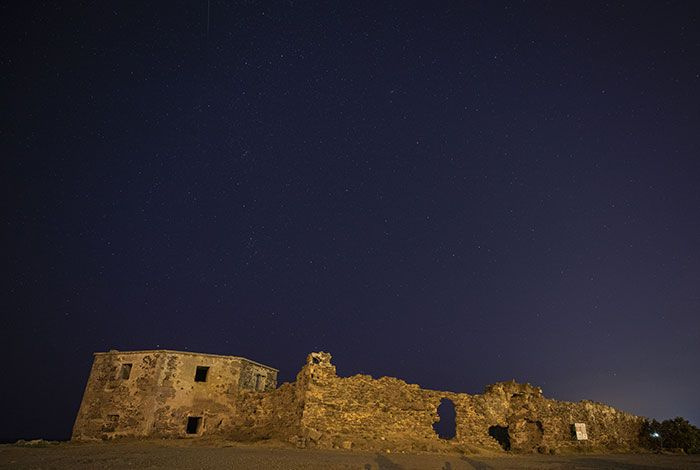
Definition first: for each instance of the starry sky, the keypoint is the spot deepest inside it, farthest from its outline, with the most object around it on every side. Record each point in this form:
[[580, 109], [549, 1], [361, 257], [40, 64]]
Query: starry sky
[[453, 193]]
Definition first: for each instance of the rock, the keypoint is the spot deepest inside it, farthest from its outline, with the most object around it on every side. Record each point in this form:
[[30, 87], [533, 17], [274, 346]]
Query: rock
[[314, 434], [35, 443]]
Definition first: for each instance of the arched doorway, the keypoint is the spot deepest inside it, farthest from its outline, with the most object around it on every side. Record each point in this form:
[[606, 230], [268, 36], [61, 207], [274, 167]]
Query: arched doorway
[[446, 426], [500, 433]]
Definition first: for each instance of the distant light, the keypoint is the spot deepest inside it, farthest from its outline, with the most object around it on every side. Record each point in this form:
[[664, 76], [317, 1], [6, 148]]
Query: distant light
[[655, 434]]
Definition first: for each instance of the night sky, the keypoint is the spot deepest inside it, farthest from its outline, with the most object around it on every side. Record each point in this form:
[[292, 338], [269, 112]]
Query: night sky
[[453, 193]]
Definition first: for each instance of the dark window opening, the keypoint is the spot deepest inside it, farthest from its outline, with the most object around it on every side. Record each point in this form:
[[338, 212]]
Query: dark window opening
[[500, 433], [194, 423], [200, 374], [540, 428], [315, 360], [125, 372], [446, 427]]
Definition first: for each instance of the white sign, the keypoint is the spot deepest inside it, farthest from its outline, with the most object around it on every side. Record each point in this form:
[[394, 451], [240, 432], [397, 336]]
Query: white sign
[[581, 434]]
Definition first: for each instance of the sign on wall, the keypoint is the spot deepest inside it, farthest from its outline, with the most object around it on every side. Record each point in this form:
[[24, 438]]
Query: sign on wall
[[581, 434]]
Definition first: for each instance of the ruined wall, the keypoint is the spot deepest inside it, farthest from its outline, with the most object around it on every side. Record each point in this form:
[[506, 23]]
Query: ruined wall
[[535, 423], [179, 396], [274, 414], [361, 412], [239, 400], [389, 413], [114, 405], [164, 392], [254, 376]]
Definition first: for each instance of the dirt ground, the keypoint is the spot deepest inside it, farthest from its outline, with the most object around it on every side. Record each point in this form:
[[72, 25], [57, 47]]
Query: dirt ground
[[187, 455]]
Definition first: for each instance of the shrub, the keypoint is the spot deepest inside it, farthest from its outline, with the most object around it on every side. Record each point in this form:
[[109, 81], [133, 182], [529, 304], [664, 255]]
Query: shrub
[[675, 433]]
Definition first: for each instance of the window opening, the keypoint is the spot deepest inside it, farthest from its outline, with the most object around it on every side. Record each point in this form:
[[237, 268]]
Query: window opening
[[201, 373], [500, 433], [125, 372], [259, 382], [194, 423], [446, 426]]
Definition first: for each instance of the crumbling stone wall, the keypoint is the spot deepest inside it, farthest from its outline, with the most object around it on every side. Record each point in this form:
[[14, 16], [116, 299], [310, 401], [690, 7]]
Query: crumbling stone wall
[[389, 413], [536, 423], [274, 414], [359, 411], [113, 406]]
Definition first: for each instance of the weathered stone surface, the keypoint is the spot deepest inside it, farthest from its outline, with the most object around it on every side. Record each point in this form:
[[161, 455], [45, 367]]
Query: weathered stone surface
[[321, 409], [390, 413], [159, 393]]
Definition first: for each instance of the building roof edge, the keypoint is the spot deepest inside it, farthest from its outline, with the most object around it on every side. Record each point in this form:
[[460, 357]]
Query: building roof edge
[[191, 353]]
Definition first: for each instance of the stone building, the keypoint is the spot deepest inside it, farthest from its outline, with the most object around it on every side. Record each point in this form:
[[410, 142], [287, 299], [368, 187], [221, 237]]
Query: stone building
[[165, 393], [161, 396]]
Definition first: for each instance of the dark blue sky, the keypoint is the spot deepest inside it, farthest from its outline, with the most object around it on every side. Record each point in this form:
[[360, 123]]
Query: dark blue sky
[[452, 193]]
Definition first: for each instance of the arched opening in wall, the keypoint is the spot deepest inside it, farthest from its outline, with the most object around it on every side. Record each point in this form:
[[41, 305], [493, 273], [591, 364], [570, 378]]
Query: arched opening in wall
[[446, 427], [500, 433]]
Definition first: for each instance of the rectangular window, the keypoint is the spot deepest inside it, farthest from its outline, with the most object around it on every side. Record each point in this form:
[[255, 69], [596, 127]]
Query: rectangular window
[[125, 372], [259, 382], [200, 375], [194, 424]]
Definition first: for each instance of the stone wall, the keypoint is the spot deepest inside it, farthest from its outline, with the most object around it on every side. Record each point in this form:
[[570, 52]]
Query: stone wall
[[359, 411], [180, 397], [115, 406], [536, 423], [274, 414], [388, 413]]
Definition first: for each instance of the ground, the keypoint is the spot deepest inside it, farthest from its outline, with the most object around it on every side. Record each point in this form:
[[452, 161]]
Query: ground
[[208, 456]]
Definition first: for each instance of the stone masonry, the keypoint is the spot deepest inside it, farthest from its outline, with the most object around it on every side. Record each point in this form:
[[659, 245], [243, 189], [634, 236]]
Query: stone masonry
[[321, 409], [161, 393]]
